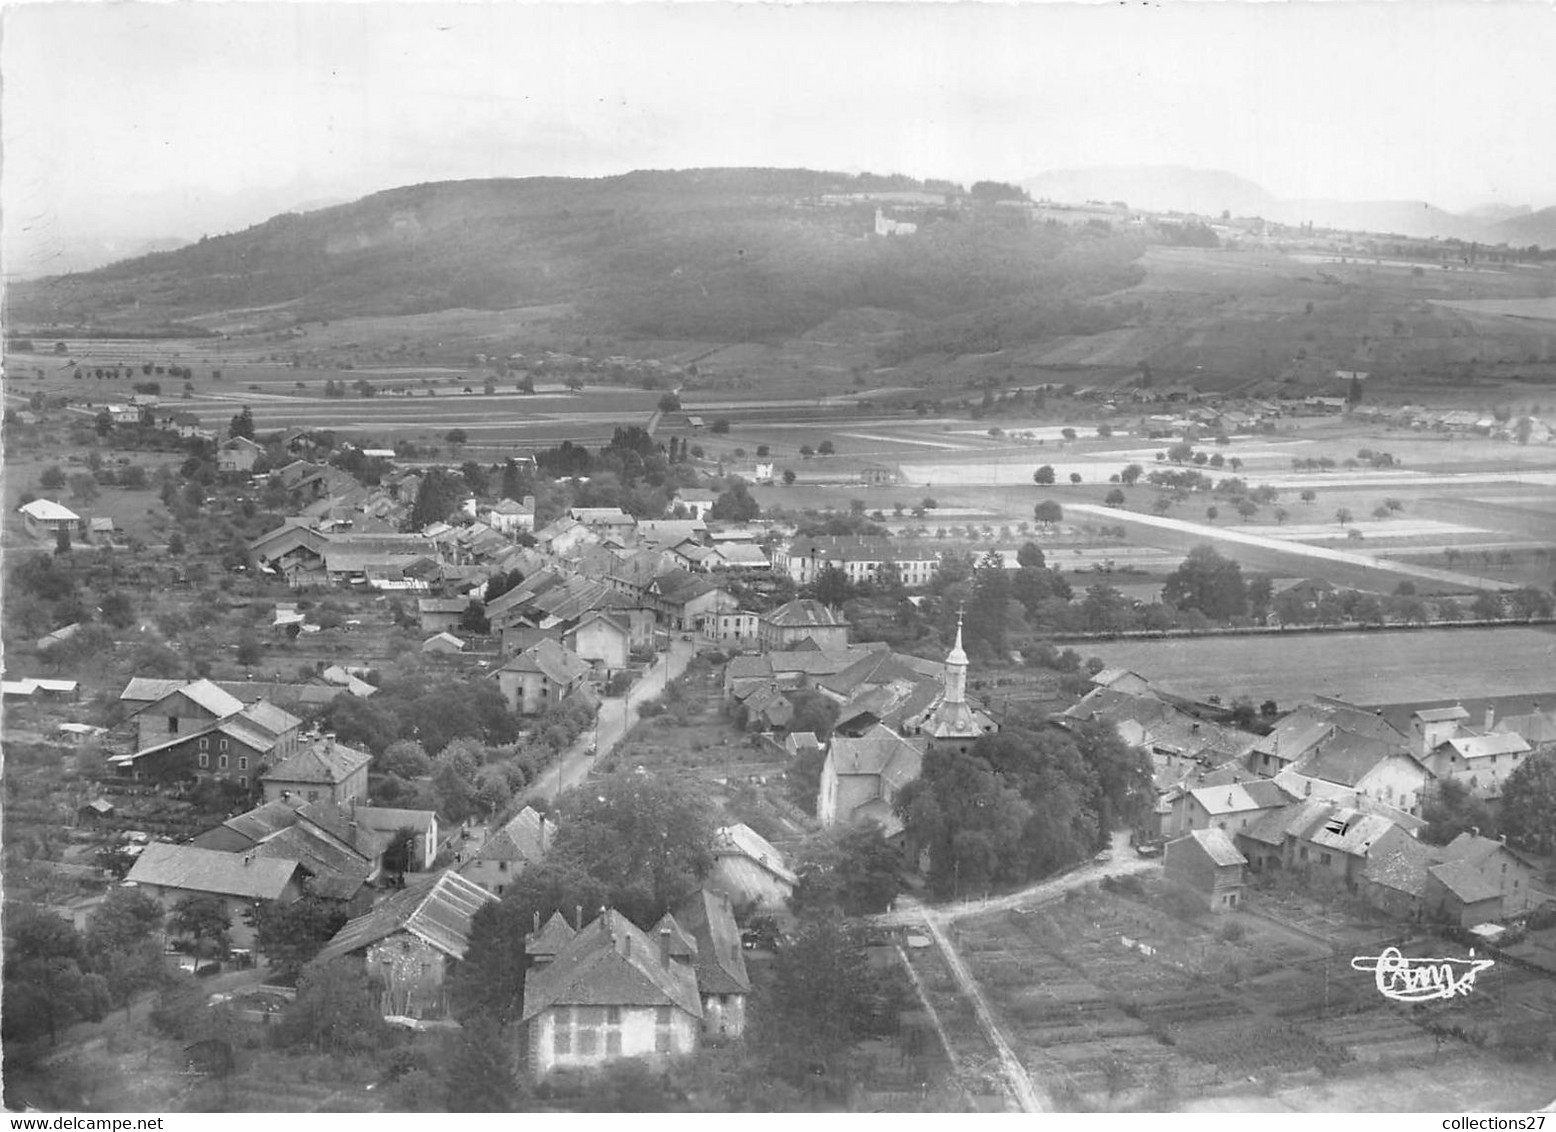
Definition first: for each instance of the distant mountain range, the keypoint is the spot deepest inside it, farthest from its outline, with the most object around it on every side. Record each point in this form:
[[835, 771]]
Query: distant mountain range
[[1210, 192]]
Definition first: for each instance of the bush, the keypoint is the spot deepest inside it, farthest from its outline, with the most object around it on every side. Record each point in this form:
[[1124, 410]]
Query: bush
[[1232, 932]]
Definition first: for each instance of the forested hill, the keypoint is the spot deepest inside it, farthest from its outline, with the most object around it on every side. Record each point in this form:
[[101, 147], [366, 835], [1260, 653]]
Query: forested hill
[[718, 255]]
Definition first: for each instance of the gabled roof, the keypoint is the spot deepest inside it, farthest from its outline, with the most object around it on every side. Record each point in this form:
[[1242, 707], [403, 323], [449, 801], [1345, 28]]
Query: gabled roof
[[1218, 846], [268, 717], [721, 962], [1484, 746], [1346, 830], [611, 963], [1262, 794], [550, 939], [1346, 759], [1442, 715], [219, 703], [437, 910], [1461, 879], [742, 841], [322, 761], [879, 752], [803, 613], [1474, 850], [525, 838], [193, 869], [1537, 727], [558, 664], [1401, 866]]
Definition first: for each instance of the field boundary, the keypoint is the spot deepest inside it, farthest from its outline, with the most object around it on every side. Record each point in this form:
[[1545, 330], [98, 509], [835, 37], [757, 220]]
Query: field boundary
[[1292, 630]]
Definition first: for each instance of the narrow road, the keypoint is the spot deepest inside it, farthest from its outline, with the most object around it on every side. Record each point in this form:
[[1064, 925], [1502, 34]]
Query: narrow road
[[615, 719], [1303, 550], [1122, 861], [1028, 1095]]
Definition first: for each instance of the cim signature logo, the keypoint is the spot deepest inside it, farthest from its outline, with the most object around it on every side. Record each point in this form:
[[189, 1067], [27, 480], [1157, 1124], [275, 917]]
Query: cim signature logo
[[1420, 980]]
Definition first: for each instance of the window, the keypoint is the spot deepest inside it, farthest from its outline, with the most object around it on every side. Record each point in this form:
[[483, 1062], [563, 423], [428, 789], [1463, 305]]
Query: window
[[221, 745], [562, 1035], [205, 759], [243, 781], [1324, 858], [172, 725], [205, 744], [221, 762], [502, 866], [1303, 854], [243, 762], [313, 795]]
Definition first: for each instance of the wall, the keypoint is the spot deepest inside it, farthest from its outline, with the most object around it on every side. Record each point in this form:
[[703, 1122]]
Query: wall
[[410, 972], [638, 1030]]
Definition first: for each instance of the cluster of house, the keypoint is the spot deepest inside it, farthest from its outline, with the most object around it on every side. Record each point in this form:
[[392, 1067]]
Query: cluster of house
[[599, 988], [45, 519], [891, 709], [1531, 430], [238, 732], [1332, 790]]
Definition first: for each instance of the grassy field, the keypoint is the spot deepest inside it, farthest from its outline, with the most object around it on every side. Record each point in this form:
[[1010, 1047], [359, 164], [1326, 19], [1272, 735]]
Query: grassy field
[[1364, 668]]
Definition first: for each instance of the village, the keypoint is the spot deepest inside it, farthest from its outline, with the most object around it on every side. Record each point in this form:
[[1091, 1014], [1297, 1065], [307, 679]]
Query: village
[[580, 757]]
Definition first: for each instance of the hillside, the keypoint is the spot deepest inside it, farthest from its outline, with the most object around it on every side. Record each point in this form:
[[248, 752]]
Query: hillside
[[712, 255], [1155, 188], [1530, 228]]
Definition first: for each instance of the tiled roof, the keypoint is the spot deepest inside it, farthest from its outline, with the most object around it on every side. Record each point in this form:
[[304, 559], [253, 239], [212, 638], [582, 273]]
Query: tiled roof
[[879, 752], [1346, 830], [1461, 879], [219, 703], [438, 910], [525, 838], [1474, 849], [721, 961], [1240, 798], [1484, 746], [193, 869], [1218, 846], [1401, 866], [559, 665], [322, 761], [1442, 715], [269, 717], [1538, 727], [804, 613], [550, 939], [743, 841], [1346, 759], [611, 963]]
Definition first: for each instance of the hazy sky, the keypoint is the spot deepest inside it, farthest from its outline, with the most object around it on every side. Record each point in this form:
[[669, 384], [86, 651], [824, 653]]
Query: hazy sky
[[142, 119]]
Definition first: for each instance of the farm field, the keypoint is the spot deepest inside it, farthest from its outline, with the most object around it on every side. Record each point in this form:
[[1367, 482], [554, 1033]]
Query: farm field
[[1134, 1002], [1363, 668]]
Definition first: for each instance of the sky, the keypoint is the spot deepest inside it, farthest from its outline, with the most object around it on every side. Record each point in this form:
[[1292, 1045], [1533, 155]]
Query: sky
[[133, 120]]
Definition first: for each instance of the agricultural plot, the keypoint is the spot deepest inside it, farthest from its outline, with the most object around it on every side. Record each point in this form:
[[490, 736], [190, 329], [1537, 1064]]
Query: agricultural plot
[[1365, 668], [1115, 1002]]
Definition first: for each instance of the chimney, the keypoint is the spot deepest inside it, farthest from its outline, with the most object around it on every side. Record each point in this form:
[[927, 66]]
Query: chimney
[[664, 947], [1491, 716], [537, 923], [1474, 831], [578, 917]]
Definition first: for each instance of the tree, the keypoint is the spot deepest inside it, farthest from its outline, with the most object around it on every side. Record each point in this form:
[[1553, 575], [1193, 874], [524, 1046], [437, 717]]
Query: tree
[[1487, 606], [636, 844], [823, 998], [968, 820], [334, 1010], [42, 976], [406, 759], [52, 478], [103, 422], [489, 982], [670, 403], [242, 424], [83, 487], [831, 585], [734, 504], [1047, 511], [1208, 582], [851, 869], [1343, 516], [288, 936], [118, 610], [1529, 804], [1131, 474], [1115, 498], [436, 498], [986, 613], [456, 438], [826, 448], [1044, 475], [1030, 554], [474, 620], [1451, 809], [249, 652], [1075, 477], [204, 918], [1212, 512]]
